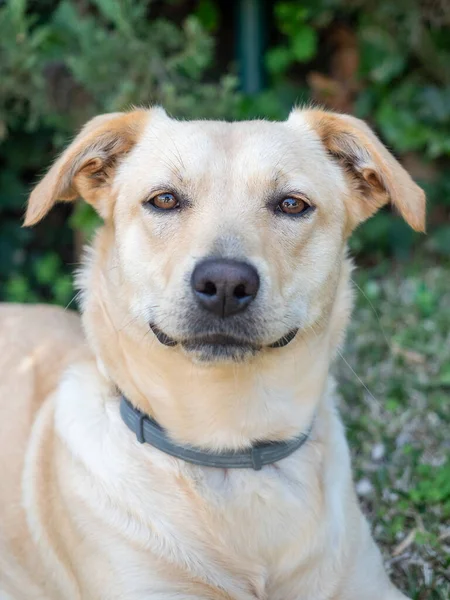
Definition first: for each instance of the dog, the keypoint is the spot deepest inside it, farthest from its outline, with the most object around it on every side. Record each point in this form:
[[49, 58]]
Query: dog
[[213, 299]]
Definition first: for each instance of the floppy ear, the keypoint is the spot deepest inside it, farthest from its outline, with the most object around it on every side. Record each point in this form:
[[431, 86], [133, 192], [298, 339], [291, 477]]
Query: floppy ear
[[375, 176], [86, 168]]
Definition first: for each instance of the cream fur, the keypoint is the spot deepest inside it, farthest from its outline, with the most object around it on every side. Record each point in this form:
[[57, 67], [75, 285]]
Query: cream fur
[[88, 512]]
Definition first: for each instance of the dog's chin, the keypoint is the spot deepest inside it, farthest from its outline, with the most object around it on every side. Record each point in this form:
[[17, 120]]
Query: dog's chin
[[211, 348], [219, 348]]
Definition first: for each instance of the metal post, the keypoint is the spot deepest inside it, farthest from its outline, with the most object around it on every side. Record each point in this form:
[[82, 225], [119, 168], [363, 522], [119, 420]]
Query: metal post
[[251, 44]]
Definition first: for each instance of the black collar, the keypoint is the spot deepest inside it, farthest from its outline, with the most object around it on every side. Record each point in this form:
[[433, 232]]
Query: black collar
[[148, 430]]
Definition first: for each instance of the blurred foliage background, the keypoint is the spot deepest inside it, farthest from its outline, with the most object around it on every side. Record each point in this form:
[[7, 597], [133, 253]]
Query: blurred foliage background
[[63, 62], [387, 61]]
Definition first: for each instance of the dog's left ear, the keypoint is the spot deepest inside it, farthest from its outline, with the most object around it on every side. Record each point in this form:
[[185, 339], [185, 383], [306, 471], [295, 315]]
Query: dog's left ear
[[86, 168], [375, 176]]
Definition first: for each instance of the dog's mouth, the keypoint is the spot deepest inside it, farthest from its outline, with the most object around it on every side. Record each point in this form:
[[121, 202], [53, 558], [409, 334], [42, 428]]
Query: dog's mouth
[[219, 344]]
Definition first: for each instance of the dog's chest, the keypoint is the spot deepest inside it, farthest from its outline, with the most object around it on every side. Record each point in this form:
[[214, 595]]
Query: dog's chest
[[240, 531], [258, 515]]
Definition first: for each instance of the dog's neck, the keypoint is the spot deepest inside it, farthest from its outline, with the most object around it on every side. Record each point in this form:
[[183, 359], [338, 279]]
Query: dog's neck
[[272, 397]]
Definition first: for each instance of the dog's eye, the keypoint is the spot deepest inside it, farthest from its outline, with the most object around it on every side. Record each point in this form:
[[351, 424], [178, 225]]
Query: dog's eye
[[293, 206], [164, 201]]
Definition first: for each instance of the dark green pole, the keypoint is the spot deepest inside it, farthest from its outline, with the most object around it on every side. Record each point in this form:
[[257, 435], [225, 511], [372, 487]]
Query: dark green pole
[[251, 44]]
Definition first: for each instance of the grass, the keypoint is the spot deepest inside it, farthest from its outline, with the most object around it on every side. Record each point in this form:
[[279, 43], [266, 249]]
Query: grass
[[394, 380]]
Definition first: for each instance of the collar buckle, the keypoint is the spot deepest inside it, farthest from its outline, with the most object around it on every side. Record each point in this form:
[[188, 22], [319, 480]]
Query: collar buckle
[[256, 458], [140, 428]]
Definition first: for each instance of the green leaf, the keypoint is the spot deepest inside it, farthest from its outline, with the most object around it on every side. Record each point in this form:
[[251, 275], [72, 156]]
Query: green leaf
[[380, 59], [372, 289], [400, 127], [63, 290], [47, 268], [392, 405], [85, 219], [290, 16], [444, 376], [17, 9], [304, 43], [440, 241], [278, 59], [18, 289], [208, 14]]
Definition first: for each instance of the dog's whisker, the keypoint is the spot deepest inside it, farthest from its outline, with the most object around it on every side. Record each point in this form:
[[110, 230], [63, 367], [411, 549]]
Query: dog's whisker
[[375, 312], [177, 154], [358, 377], [74, 299], [146, 334], [130, 322], [167, 160]]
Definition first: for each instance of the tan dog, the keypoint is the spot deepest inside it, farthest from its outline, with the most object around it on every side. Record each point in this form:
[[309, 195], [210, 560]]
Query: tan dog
[[214, 298]]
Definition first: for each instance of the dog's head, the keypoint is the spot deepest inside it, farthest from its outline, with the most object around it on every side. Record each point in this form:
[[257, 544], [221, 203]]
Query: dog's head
[[228, 238]]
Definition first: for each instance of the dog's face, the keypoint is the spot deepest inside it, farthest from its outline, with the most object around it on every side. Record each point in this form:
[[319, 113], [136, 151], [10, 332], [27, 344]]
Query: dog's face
[[229, 236]]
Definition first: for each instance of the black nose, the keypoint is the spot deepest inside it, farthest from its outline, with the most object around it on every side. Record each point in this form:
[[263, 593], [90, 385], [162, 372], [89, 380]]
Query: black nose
[[225, 287]]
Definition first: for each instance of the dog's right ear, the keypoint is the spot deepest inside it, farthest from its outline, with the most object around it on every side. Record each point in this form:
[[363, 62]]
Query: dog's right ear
[[86, 168]]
